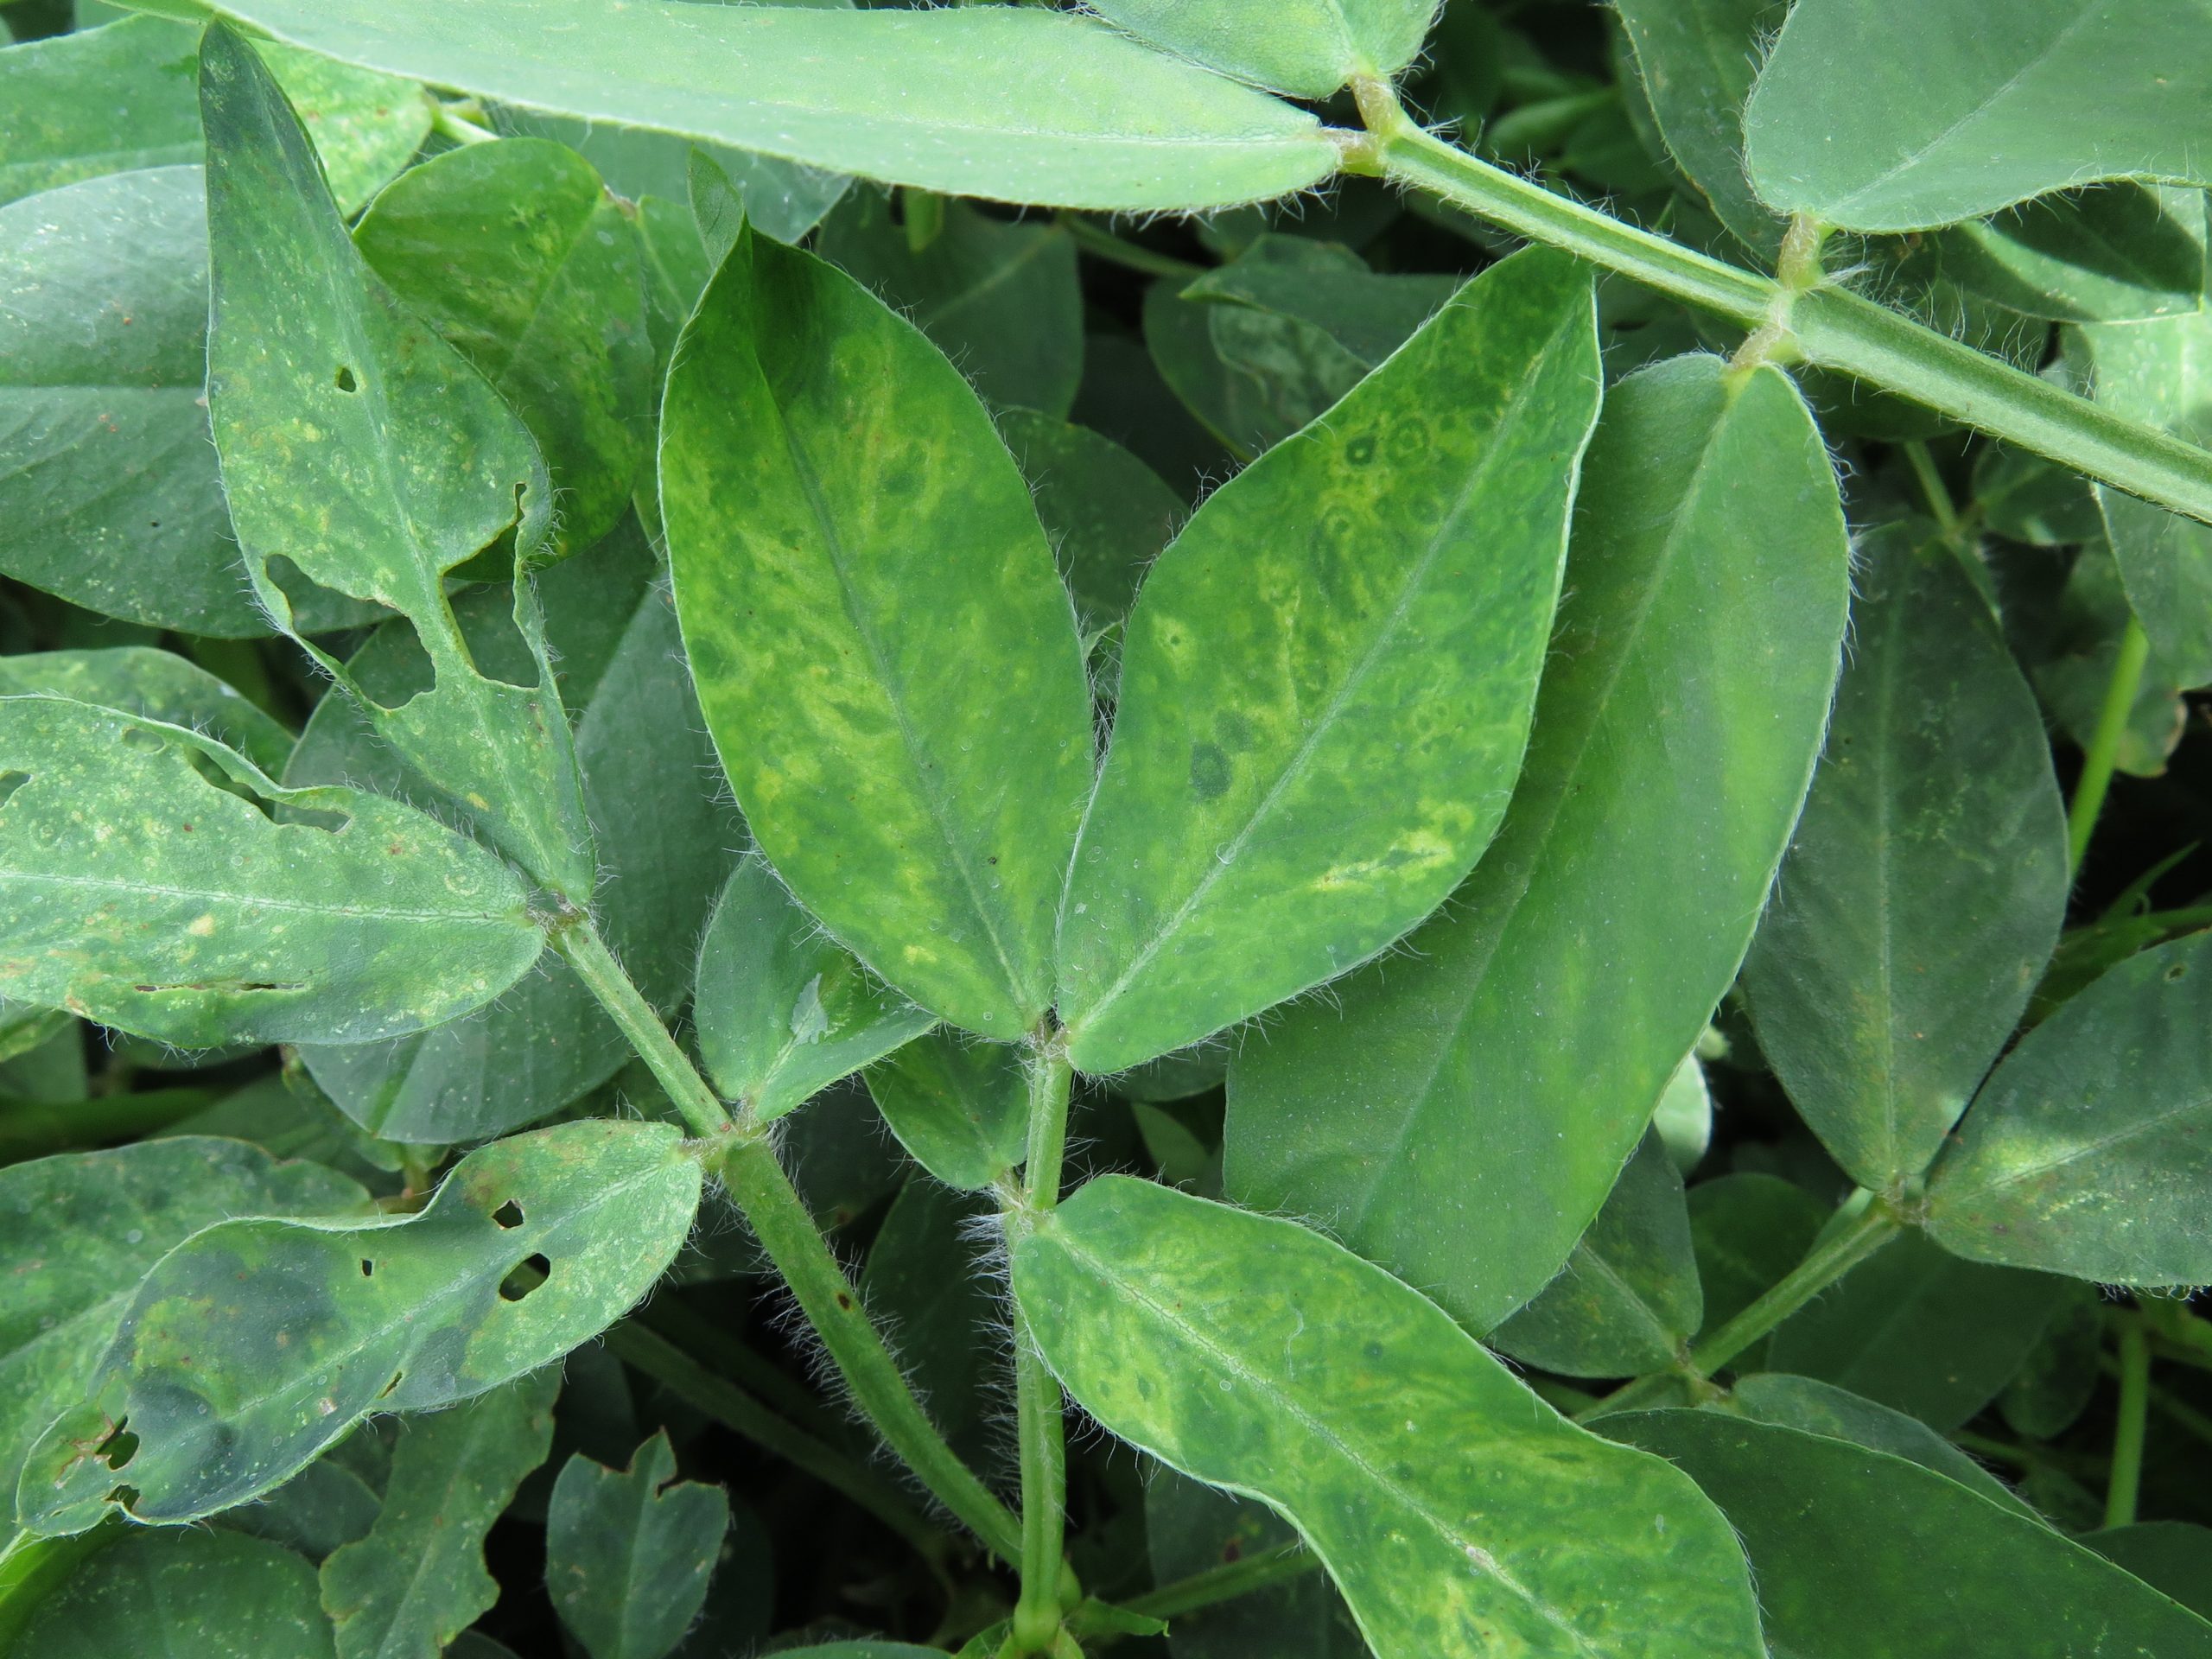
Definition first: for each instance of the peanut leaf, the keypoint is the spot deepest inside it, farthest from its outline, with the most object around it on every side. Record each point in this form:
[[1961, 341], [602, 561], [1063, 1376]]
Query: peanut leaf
[[959, 1107], [1306, 47], [155, 685], [214, 1595], [628, 1553]]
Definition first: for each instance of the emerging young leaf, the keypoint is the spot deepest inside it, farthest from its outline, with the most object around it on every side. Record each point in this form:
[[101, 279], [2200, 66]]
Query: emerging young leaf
[[1926, 1568], [417, 1580], [257, 1344], [1461, 1117], [361, 452], [1454, 1509], [155, 685], [1874, 117], [885, 552], [782, 1011], [1306, 47], [1926, 881], [628, 1553], [1013, 103], [77, 1231], [958, 1106], [516, 254], [213, 1595], [156, 881], [2085, 1153], [1317, 735]]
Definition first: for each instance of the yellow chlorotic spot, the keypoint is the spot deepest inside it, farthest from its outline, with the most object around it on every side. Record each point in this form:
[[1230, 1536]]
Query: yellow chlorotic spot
[[202, 927]]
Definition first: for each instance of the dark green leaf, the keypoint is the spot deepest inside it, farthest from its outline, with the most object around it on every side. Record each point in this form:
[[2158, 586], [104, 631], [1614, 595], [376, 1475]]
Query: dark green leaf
[[1326, 286], [627, 1555], [1306, 47], [1748, 1231], [2174, 1557], [1455, 1511], [211, 1595], [925, 1282], [923, 811], [958, 1106], [323, 1507], [1462, 1114], [2052, 1389], [1189, 1528], [1817, 1407], [156, 685], [2074, 667], [1248, 838], [1696, 60]]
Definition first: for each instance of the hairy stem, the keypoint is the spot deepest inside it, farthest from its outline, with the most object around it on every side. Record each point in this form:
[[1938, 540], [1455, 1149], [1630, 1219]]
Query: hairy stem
[[1037, 1394], [2103, 753], [579, 941], [2125, 1485]]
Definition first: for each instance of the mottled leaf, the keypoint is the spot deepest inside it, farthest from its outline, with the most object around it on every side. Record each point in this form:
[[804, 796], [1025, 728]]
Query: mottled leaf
[[1454, 1510], [157, 685], [1463, 1113], [212, 1595], [627, 1555], [1306, 47], [958, 1106]]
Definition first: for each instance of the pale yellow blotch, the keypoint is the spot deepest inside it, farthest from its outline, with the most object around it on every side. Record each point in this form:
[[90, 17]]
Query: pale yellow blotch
[[918, 954], [1414, 852]]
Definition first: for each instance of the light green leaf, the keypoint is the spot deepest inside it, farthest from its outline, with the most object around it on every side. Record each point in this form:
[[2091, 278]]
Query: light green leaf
[[1461, 1117], [1627, 1300], [257, 1344], [76, 1232], [1683, 1117], [922, 809], [1817, 1407], [1874, 117], [1001, 300], [1454, 1510], [1696, 60], [155, 685], [362, 452], [960, 1107], [1926, 1568], [782, 1011], [1016, 103], [211, 1595], [147, 882], [924, 1283], [1190, 1528], [418, 1580], [2115, 253], [627, 1555], [1247, 842], [114, 99], [516, 254], [1925, 883], [1306, 47], [2085, 1153]]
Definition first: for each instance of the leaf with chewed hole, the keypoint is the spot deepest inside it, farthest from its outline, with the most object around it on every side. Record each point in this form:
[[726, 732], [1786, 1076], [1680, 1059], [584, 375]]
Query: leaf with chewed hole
[[257, 1344], [156, 881], [628, 1553]]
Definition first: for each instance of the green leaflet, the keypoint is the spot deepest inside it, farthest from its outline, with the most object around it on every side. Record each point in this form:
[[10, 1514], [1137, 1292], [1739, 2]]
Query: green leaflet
[[370, 457], [77, 1231], [155, 685], [1683, 1117], [1462, 1116], [213, 1595], [863, 1651], [2120, 253], [1925, 882], [257, 1344], [2174, 1557], [1306, 47], [1076, 116], [1190, 1528], [958, 1106], [417, 1580], [1817, 1407], [1696, 60], [1317, 735], [925, 1284], [782, 1011], [628, 1553], [114, 99], [2053, 1387], [2084, 1153], [650, 787], [1748, 1231], [516, 254], [321, 1509], [887, 548], [146, 883], [1926, 1568], [1876, 118], [2071, 656], [1627, 1300], [1000, 300], [1455, 1511], [1367, 314]]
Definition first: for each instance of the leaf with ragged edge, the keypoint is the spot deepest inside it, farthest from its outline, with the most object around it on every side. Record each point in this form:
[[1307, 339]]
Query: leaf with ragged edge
[[958, 1106], [1190, 1528], [147, 883], [1817, 1407], [418, 1580], [77, 1231], [516, 254], [1926, 881], [1696, 60], [1462, 1116], [925, 1283], [1627, 1300], [628, 1553], [782, 1011], [116, 98], [1927, 1568], [1015, 104], [257, 1344], [1001, 300], [1305, 47], [155, 685], [887, 548], [211, 1595], [1455, 1512], [363, 452], [1317, 735], [1873, 117], [651, 788], [2085, 1153]]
